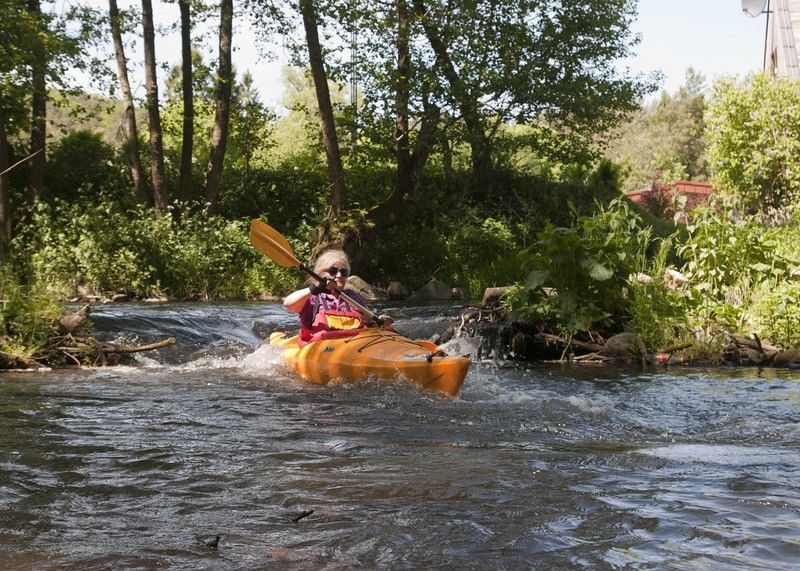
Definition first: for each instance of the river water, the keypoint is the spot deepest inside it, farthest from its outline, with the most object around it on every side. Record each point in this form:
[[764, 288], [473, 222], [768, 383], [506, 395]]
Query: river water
[[529, 467]]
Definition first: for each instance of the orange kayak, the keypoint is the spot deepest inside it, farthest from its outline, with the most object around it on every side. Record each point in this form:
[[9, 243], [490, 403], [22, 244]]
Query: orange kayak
[[374, 354]]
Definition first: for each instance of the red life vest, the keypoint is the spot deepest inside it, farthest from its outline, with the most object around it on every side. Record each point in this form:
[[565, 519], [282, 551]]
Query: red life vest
[[332, 319]]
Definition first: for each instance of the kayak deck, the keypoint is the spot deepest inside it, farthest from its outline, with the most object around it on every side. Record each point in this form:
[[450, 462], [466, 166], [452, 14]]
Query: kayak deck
[[376, 354]]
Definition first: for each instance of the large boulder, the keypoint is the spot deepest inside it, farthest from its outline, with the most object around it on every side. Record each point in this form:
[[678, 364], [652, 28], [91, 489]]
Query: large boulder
[[396, 290], [493, 295], [434, 290], [623, 346], [73, 322], [367, 291]]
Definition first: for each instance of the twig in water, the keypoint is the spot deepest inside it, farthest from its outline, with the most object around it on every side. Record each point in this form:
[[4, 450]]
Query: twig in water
[[301, 515]]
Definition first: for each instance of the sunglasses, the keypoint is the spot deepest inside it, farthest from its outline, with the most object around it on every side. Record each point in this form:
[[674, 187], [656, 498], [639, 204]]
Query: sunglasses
[[333, 270]]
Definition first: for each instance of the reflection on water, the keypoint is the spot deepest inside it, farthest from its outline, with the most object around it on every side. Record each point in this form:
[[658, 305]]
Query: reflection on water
[[144, 466]]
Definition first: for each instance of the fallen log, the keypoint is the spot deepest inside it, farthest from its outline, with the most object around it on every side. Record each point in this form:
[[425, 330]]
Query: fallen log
[[556, 340], [756, 344], [81, 351]]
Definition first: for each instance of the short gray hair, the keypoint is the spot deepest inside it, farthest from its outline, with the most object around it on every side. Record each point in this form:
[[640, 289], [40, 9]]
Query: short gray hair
[[327, 258]]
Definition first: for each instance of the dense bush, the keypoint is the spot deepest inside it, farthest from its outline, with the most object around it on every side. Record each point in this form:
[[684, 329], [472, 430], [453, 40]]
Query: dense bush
[[28, 320], [82, 166], [102, 248], [659, 313], [724, 250], [753, 131], [578, 277]]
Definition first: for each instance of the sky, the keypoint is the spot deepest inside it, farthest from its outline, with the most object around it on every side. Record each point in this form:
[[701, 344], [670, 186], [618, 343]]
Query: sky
[[713, 36]]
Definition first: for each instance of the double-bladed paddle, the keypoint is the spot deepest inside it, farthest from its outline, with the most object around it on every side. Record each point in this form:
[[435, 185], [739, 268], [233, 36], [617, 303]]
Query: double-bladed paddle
[[273, 245]]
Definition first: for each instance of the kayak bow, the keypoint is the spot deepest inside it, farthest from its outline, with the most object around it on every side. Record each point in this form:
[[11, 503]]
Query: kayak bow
[[374, 354]]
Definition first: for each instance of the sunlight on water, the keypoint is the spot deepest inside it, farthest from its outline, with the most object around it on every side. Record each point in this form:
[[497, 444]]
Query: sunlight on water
[[725, 454], [585, 405]]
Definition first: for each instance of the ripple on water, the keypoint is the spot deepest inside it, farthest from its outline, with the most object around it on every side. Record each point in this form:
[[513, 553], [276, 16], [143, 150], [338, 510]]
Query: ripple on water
[[555, 467]]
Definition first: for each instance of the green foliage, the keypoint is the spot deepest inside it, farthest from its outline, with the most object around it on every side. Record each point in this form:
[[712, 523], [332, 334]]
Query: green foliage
[[724, 251], [482, 252], [665, 139], [658, 313], [578, 276], [102, 248], [249, 132], [460, 246], [28, 319], [726, 258], [81, 165], [753, 131], [775, 313]]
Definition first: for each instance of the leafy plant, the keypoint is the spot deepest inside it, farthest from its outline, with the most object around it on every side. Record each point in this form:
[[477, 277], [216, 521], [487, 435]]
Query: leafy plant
[[102, 249], [753, 131], [724, 251], [658, 313], [28, 318], [578, 276]]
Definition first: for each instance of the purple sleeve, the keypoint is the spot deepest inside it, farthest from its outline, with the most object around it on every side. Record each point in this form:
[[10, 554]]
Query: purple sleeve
[[355, 296]]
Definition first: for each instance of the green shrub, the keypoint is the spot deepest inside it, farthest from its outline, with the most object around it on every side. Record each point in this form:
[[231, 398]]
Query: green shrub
[[659, 314], [104, 249], [28, 319], [481, 253], [724, 250], [81, 165], [577, 277], [775, 313]]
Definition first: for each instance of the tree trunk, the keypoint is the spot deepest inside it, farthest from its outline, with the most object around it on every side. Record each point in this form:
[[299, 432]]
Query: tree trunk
[[219, 136], [131, 131], [326, 120], [38, 109], [151, 82], [403, 182], [5, 201], [187, 144], [482, 166], [410, 166]]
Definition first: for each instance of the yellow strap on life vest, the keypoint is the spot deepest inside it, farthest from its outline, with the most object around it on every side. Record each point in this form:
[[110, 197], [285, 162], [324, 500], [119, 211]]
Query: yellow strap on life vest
[[343, 322]]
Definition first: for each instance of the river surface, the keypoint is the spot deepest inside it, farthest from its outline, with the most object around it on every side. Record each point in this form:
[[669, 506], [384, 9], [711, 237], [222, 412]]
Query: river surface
[[143, 466]]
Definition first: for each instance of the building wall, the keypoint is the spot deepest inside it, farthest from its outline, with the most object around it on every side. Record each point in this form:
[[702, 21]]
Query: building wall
[[782, 38]]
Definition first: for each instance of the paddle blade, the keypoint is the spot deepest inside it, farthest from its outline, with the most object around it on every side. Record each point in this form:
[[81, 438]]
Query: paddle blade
[[272, 244]]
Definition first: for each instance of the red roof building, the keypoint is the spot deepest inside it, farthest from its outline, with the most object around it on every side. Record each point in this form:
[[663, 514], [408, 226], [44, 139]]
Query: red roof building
[[660, 199]]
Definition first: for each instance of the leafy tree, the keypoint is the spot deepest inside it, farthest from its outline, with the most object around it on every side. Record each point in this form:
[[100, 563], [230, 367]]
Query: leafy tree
[[665, 140], [249, 131], [754, 140], [470, 70], [17, 28], [38, 93], [296, 133], [37, 47], [330, 140], [79, 166], [187, 92]]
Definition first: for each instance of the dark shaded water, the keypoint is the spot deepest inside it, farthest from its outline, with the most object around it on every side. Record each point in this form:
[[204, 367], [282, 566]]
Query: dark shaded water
[[527, 468]]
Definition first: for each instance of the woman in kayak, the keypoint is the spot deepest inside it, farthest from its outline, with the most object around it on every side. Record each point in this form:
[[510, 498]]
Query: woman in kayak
[[323, 313]]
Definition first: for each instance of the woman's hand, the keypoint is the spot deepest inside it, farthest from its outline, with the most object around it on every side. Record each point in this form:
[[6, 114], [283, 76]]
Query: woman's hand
[[320, 286], [386, 321]]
